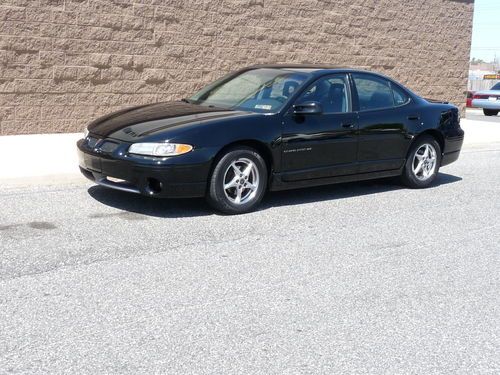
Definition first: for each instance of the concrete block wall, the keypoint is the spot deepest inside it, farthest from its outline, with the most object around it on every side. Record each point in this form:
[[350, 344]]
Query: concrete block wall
[[65, 62]]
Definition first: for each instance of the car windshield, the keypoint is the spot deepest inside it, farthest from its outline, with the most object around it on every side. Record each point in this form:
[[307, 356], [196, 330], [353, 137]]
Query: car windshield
[[262, 90], [496, 87]]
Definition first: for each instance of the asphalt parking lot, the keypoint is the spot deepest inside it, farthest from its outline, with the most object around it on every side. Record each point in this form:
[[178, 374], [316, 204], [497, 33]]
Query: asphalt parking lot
[[353, 278], [478, 115]]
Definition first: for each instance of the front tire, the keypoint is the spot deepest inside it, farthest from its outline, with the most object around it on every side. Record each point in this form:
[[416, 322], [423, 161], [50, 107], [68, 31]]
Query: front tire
[[422, 164], [490, 112], [238, 181]]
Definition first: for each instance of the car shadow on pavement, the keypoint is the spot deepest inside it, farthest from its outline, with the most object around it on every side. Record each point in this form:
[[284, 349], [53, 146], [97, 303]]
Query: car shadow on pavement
[[156, 207], [197, 207], [344, 190]]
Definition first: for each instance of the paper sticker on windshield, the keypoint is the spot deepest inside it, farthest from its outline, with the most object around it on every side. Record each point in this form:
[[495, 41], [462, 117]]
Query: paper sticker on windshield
[[263, 106]]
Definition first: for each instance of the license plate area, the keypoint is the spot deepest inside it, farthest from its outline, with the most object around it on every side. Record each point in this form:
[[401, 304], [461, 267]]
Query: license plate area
[[493, 98]]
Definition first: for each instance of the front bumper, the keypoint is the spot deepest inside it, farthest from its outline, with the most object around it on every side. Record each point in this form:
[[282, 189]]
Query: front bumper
[[148, 176], [486, 104]]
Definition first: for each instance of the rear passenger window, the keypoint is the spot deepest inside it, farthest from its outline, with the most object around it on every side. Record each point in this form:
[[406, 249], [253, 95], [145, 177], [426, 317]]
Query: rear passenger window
[[400, 97], [373, 92], [377, 93]]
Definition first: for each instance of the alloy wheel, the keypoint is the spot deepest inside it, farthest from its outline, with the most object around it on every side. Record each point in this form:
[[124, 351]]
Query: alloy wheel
[[241, 181], [424, 162]]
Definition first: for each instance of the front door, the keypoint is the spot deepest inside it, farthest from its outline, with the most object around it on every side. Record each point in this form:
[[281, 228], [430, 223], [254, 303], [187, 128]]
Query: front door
[[321, 145]]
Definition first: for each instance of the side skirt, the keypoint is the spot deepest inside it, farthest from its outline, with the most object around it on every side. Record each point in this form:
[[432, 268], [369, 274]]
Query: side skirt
[[278, 184]]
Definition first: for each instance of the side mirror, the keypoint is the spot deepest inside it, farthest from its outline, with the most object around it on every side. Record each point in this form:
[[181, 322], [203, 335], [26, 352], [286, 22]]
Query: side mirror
[[307, 108]]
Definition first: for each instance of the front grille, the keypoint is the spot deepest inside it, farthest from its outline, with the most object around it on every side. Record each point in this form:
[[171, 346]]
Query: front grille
[[108, 146], [91, 141], [98, 144]]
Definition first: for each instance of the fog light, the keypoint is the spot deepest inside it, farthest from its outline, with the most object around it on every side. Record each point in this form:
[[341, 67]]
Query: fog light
[[154, 186]]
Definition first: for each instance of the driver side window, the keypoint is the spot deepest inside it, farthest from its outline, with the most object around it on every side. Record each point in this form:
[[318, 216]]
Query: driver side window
[[331, 92]]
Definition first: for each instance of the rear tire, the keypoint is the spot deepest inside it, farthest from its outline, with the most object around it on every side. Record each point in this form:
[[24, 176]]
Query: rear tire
[[490, 112], [238, 181], [422, 164]]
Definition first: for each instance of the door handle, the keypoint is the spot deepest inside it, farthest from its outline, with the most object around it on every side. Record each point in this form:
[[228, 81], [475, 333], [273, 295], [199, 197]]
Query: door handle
[[348, 126], [414, 117]]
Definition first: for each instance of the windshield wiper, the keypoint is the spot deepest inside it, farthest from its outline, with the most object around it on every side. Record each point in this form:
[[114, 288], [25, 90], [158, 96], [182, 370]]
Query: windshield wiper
[[185, 100]]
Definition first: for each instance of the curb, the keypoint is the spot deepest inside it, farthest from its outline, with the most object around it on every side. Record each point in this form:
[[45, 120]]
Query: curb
[[39, 158]]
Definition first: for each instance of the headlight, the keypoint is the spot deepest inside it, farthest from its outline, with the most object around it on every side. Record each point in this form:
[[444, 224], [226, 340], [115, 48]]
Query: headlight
[[159, 149]]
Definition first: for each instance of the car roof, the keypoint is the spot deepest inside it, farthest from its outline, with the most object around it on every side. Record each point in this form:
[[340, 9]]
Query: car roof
[[318, 70], [307, 68]]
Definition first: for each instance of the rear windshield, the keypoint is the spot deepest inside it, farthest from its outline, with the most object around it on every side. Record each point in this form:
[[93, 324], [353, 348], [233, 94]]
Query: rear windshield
[[496, 87]]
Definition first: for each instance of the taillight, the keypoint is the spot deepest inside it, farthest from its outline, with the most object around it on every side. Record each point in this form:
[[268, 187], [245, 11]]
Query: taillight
[[478, 96]]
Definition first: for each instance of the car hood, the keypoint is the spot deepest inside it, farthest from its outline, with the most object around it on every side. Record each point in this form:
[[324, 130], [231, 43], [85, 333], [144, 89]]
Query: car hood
[[488, 92], [134, 123]]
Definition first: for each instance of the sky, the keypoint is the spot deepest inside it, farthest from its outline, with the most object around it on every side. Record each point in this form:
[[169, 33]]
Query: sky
[[486, 30]]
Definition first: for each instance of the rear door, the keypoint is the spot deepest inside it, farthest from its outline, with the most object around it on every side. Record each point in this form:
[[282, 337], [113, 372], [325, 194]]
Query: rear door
[[325, 144], [385, 115]]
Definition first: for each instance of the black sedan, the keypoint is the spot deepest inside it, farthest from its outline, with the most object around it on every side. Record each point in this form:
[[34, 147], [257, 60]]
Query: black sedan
[[273, 127]]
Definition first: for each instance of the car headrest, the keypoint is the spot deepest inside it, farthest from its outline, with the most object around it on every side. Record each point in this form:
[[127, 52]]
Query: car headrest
[[336, 98], [337, 89], [289, 88], [266, 92]]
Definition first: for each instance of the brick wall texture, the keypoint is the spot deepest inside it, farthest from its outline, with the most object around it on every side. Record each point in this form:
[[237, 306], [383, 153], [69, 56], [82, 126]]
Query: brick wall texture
[[65, 62]]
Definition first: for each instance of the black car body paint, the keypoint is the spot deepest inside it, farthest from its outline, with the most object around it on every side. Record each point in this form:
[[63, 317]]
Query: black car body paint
[[300, 150]]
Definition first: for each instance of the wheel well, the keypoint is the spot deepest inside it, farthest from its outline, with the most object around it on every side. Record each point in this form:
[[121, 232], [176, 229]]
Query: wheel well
[[435, 134], [258, 146]]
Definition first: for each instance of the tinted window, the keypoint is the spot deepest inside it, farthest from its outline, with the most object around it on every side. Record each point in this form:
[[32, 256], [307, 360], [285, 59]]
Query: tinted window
[[400, 97], [373, 92], [496, 87], [331, 92], [257, 90]]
